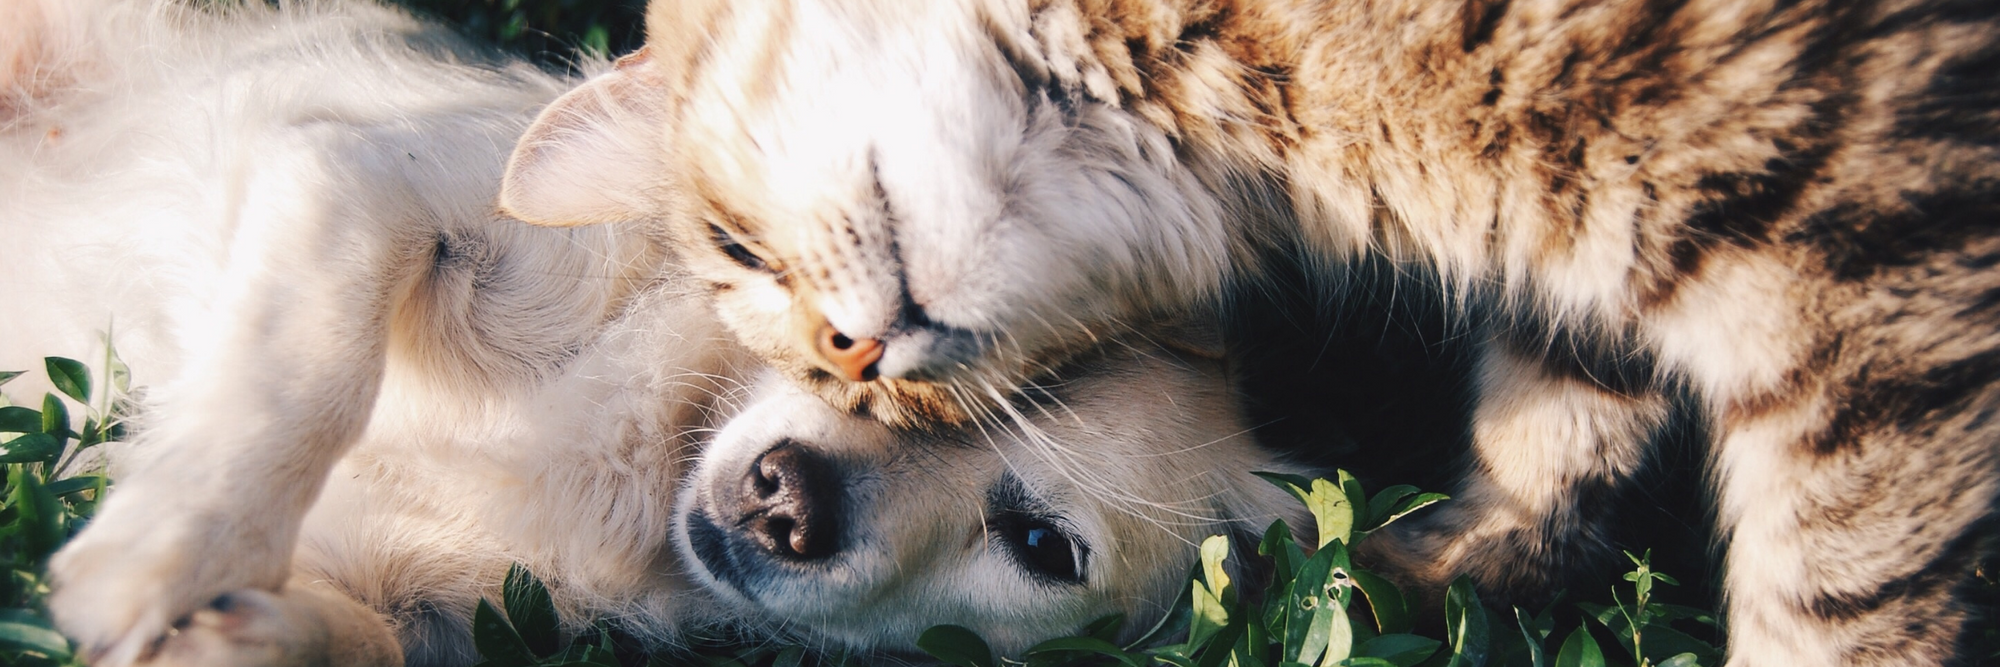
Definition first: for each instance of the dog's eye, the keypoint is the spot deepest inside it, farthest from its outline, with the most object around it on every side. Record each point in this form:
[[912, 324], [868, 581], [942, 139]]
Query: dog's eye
[[1042, 548], [727, 242]]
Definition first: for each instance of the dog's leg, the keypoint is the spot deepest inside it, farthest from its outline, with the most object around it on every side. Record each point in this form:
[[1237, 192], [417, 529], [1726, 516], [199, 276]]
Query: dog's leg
[[305, 625], [1548, 450], [323, 241]]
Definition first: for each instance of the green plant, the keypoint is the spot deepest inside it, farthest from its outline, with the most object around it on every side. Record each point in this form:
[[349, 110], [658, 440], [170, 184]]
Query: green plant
[[1321, 611], [554, 32], [40, 508], [529, 634]]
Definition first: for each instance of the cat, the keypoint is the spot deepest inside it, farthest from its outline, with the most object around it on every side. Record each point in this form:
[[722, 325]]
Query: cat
[[1777, 213], [367, 393]]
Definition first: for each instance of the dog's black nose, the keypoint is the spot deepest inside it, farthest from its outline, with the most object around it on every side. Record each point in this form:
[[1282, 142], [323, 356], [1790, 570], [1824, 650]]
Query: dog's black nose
[[791, 503]]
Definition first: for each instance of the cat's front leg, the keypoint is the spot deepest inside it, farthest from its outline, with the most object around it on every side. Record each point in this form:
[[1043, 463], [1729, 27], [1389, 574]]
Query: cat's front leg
[[1549, 449], [278, 385], [1857, 513]]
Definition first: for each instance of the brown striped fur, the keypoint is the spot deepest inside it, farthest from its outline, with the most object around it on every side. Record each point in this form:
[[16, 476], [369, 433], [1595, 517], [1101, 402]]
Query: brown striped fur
[[1784, 209]]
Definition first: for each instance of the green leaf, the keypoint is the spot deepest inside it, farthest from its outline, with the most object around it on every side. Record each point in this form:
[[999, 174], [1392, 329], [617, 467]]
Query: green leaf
[[1332, 511], [596, 40], [1391, 611], [1179, 616], [40, 517], [1466, 626], [118, 373], [16, 419], [1385, 500], [1682, 660], [792, 656], [1364, 661], [1339, 636], [55, 417], [496, 639], [1299, 486], [1210, 616], [1580, 650], [1674, 612], [6, 376], [30, 448], [1214, 551], [1220, 647], [77, 484], [531, 612], [955, 645], [1662, 641], [1305, 600], [1408, 505], [1286, 557], [1401, 649], [1356, 496], [1090, 645], [1105, 628], [70, 377], [1537, 657], [25, 630]]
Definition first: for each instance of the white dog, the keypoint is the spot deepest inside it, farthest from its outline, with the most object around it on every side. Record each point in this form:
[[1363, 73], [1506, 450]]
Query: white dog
[[370, 393]]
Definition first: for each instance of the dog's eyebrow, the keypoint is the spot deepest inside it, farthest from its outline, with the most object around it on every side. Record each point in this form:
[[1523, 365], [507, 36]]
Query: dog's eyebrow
[[1009, 496]]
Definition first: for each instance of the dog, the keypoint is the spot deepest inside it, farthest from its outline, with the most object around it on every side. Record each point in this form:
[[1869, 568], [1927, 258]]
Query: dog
[[367, 393]]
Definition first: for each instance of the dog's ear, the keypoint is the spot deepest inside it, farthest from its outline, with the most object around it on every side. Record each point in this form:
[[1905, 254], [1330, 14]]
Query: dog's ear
[[594, 154]]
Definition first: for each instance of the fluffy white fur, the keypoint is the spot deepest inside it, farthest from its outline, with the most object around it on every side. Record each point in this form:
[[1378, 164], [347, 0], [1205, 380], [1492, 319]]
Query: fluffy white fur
[[367, 393]]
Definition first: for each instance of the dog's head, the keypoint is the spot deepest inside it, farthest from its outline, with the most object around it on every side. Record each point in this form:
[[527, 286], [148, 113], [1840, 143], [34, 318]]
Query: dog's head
[[911, 208], [1093, 501]]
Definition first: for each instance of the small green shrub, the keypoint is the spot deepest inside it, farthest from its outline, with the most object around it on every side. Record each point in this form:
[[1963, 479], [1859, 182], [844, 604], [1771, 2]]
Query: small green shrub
[[1321, 611], [43, 502]]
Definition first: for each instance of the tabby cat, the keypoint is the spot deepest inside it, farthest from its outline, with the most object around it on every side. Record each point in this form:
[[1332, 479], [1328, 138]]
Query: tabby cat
[[1782, 211]]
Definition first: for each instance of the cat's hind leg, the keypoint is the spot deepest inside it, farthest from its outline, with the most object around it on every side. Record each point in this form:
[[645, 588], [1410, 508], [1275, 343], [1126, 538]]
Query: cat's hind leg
[[1549, 450]]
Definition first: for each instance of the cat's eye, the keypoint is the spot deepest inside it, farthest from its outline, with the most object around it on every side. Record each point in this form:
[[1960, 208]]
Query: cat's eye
[[1042, 547], [730, 246]]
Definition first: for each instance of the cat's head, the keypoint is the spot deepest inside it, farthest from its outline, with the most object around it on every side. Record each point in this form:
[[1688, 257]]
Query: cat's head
[[834, 529], [912, 208]]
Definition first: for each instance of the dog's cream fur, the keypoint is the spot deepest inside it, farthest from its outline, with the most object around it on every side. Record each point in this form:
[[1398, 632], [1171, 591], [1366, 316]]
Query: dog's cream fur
[[367, 393]]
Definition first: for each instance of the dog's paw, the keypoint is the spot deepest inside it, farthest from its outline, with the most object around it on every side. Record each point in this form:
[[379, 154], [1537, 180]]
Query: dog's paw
[[245, 628], [139, 567]]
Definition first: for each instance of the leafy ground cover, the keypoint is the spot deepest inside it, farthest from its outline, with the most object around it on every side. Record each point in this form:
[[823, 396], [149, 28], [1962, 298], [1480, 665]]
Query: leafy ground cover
[[43, 501]]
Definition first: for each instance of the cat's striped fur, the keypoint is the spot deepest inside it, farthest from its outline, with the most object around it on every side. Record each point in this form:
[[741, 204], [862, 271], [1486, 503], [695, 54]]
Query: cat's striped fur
[[1785, 210]]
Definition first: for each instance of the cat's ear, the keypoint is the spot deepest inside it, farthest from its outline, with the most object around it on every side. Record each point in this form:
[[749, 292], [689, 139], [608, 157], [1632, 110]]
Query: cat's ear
[[594, 155]]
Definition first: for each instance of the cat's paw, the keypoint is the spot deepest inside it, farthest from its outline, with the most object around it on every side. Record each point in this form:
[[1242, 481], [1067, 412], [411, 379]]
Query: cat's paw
[[142, 566], [245, 628]]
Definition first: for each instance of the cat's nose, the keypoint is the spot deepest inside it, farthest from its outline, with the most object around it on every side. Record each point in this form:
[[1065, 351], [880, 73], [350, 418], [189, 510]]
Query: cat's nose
[[854, 358], [791, 503]]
